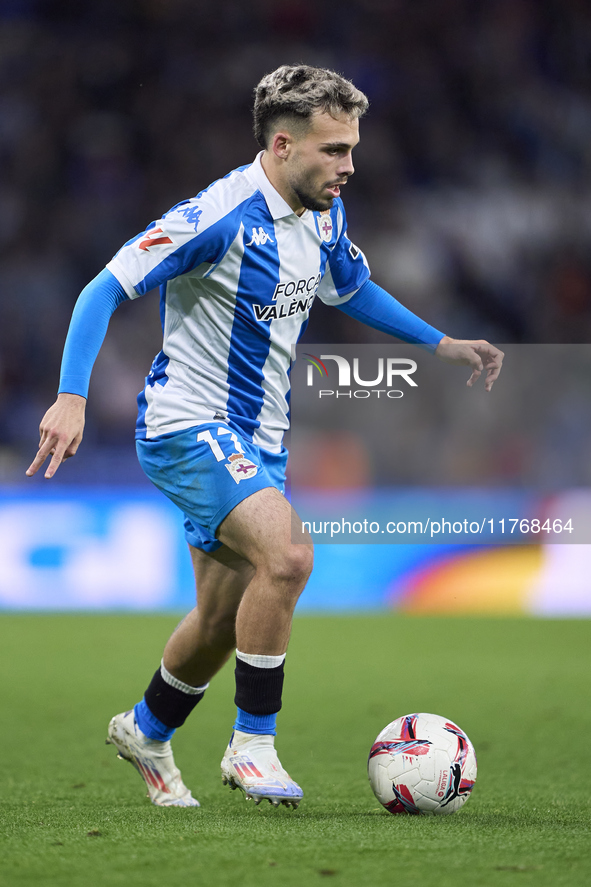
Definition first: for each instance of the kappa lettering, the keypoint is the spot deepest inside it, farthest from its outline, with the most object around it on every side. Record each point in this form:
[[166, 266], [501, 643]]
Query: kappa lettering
[[260, 237]]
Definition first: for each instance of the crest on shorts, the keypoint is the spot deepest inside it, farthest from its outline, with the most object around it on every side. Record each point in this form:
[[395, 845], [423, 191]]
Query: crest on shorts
[[325, 226], [240, 467]]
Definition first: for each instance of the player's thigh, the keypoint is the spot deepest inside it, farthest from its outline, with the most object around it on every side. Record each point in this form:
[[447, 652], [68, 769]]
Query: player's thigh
[[261, 529], [206, 471]]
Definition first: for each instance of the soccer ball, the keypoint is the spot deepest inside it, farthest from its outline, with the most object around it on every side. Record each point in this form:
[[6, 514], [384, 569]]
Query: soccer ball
[[422, 763]]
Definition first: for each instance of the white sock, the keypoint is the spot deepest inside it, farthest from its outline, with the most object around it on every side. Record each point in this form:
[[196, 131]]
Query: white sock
[[179, 685], [260, 661]]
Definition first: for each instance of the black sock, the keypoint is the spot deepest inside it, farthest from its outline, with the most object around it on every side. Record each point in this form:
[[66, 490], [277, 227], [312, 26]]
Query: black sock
[[170, 705], [258, 690]]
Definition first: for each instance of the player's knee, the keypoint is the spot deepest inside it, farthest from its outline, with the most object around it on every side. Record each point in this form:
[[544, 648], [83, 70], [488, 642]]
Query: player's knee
[[292, 566]]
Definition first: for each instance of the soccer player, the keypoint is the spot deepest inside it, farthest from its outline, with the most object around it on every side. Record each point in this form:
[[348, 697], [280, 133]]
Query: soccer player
[[238, 267]]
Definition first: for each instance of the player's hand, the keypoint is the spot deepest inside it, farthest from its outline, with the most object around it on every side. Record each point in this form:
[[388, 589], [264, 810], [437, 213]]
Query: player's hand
[[60, 433], [478, 354]]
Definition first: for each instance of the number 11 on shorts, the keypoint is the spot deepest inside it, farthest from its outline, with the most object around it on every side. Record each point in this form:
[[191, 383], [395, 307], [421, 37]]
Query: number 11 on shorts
[[215, 447]]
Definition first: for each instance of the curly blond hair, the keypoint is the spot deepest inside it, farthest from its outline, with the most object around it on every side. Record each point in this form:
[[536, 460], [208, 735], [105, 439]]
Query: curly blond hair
[[293, 93]]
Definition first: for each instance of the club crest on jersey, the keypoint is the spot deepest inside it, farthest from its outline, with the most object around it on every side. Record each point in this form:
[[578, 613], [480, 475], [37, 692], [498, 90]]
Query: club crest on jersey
[[240, 467], [325, 226], [260, 237]]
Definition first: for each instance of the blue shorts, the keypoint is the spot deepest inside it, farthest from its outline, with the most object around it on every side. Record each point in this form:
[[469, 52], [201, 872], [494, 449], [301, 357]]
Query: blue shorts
[[207, 470]]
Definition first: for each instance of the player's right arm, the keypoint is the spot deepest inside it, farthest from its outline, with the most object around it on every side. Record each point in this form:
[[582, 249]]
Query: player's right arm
[[193, 233], [62, 426]]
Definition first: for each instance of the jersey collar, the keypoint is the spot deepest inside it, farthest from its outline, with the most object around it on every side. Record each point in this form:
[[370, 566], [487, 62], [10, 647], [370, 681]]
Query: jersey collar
[[278, 207]]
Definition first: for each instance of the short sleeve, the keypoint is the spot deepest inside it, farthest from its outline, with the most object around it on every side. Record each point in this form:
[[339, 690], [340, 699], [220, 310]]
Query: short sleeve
[[192, 236], [346, 269]]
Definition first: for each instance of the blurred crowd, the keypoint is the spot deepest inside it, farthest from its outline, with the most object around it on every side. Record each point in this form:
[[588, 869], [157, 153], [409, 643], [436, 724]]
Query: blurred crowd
[[471, 198]]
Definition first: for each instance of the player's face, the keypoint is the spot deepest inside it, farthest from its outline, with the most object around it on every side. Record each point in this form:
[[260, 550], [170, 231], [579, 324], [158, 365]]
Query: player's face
[[320, 161]]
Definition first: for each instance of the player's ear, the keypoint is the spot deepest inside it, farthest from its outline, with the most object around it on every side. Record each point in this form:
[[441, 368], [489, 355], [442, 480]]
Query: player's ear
[[281, 145]]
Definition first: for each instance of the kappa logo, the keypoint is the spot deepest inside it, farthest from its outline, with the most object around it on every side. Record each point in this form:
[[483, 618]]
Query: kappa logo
[[260, 237], [152, 240], [240, 467], [192, 215]]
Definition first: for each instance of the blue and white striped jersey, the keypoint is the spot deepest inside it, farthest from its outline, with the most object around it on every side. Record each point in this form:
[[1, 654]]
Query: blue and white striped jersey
[[238, 272]]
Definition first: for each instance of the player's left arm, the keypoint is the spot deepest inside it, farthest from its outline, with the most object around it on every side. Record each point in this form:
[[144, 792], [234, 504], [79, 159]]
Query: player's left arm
[[347, 285], [375, 307]]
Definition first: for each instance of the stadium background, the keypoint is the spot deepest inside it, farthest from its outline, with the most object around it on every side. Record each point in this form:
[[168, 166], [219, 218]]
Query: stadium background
[[471, 199]]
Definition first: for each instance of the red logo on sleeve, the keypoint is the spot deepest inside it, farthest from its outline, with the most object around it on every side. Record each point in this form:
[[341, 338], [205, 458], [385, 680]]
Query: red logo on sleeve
[[151, 240]]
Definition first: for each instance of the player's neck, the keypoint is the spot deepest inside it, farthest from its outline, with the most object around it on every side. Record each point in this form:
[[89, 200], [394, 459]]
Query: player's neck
[[273, 173]]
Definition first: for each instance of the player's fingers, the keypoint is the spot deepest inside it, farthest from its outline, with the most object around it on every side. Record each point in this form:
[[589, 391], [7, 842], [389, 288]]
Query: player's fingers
[[493, 368], [490, 353], [477, 367], [491, 377], [45, 448], [71, 451], [36, 464], [56, 461], [43, 434], [51, 445]]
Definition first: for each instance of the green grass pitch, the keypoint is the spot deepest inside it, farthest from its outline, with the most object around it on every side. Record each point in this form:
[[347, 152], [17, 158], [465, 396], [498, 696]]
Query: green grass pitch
[[72, 815]]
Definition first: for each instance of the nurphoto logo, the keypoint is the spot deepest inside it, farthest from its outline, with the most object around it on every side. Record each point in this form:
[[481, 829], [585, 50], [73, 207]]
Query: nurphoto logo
[[388, 371]]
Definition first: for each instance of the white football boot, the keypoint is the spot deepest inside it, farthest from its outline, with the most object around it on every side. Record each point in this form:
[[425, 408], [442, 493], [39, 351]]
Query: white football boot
[[250, 763], [152, 759]]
